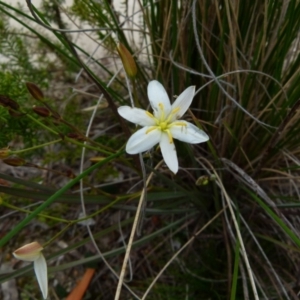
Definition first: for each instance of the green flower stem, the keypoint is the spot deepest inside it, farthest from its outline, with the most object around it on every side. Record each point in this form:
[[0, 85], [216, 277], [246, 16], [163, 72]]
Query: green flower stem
[[41, 124], [57, 235], [82, 135], [73, 141], [106, 207], [50, 200], [86, 146], [29, 211], [61, 120], [35, 147]]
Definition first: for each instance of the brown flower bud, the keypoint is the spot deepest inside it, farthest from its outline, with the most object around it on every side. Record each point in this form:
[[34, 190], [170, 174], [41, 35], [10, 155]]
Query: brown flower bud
[[7, 102], [35, 91], [41, 111], [127, 60], [14, 161]]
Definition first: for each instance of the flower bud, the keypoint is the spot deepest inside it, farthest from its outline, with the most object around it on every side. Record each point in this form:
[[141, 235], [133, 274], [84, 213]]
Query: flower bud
[[29, 252], [7, 102], [14, 161], [35, 91], [127, 60], [4, 152], [204, 180], [41, 111]]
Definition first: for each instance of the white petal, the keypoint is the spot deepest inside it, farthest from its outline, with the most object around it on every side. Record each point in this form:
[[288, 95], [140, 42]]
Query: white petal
[[169, 154], [141, 141], [136, 115], [183, 102], [157, 94], [40, 269], [188, 133]]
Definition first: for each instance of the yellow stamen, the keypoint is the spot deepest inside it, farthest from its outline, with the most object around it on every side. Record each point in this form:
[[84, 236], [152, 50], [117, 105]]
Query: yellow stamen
[[183, 124], [151, 129], [169, 136], [164, 124], [175, 110], [149, 114], [162, 116]]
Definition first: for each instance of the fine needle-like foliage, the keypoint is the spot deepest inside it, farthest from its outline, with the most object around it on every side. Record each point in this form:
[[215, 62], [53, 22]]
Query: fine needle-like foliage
[[197, 196]]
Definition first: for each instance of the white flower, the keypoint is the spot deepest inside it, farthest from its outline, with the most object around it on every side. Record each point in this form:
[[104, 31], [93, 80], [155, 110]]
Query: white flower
[[33, 252], [163, 125]]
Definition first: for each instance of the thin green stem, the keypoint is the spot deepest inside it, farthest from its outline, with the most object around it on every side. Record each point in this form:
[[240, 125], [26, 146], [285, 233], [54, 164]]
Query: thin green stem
[[16, 208], [35, 147], [41, 124], [73, 141], [50, 200], [57, 235]]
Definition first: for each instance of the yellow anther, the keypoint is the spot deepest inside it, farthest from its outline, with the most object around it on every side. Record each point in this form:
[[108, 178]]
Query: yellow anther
[[161, 106]]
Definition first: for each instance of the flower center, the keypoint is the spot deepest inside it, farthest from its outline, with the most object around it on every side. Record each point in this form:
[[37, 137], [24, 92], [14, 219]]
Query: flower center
[[163, 125], [163, 122]]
